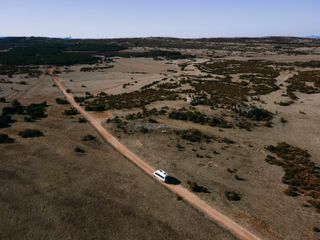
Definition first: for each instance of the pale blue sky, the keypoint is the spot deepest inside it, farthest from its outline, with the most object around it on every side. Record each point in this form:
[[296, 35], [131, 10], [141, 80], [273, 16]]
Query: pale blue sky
[[143, 18]]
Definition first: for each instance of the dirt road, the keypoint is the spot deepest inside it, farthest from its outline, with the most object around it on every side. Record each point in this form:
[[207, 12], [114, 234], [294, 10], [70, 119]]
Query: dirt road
[[225, 222]]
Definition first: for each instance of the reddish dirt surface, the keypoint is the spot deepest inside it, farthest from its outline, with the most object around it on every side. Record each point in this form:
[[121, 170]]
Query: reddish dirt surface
[[225, 222]]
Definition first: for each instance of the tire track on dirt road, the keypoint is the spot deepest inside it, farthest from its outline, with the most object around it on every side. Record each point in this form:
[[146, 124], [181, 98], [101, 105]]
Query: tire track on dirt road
[[189, 197]]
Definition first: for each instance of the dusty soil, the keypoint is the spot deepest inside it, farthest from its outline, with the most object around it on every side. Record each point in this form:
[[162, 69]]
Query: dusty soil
[[263, 207], [50, 192]]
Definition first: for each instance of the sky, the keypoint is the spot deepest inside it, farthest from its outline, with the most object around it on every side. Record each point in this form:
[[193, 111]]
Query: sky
[[159, 18]]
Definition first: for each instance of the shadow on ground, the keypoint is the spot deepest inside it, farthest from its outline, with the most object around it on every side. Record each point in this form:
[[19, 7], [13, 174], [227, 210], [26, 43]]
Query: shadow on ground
[[172, 180]]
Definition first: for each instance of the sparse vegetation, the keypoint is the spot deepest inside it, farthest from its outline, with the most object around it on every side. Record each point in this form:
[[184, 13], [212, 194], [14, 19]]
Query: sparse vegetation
[[33, 112], [194, 135], [61, 101], [5, 121], [31, 133], [88, 137], [10, 70], [198, 117], [301, 174], [299, 82], [194, 187], [232, 196], [4, 138], [71, 112], [253, 113], [96, 68], [136, 99], [79, 150], [82, 120]]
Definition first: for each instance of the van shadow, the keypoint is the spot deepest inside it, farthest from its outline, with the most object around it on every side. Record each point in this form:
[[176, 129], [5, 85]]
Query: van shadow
[[172, 180]]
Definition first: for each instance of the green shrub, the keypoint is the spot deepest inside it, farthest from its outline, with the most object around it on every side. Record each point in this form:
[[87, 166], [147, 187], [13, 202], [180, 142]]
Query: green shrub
[[95, 107], [28, 119], [22, 83], [292, 191], [70, 112], [4, 138], [238, 178], [30, 133], [198, 117], [15, 108], [33, 111], [232, 196], [82, 120], [194, 187], [79, 150], [287, 103], [36, 110], [88, 137], [316, 229], [5, 121], [300, 173], [61, 101], [151, 120], [144, 129], [193, 135], [282, 120]]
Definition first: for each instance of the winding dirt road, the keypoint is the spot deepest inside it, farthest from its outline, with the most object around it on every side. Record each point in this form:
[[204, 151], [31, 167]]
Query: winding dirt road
[[222, 220]]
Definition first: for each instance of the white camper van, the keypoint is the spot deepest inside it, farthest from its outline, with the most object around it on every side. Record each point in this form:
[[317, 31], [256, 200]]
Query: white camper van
[[162, 175]]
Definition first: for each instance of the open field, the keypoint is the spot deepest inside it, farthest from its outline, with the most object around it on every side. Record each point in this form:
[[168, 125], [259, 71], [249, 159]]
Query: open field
[[235, 121], [50, 191]]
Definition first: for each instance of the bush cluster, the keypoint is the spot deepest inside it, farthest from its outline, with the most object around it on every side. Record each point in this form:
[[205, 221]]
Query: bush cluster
[[136, 99], [301, 174], [88, 137], [70, 112], [32, 112], [198, 117], [194, 135], [79, 149], [4, 138], [232, 196], [61, 101], [31, 133], [194, 187]]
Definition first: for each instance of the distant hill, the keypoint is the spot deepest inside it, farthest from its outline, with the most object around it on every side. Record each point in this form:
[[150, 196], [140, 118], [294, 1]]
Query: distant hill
[[314, 36]]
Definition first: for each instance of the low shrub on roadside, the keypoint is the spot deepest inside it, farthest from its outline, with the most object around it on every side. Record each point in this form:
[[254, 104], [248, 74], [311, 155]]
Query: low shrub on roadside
[[194, 187], [82, 120], [61, 101], [79, 149]]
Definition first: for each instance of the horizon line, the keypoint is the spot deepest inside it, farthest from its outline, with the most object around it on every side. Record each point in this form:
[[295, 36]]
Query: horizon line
[[150, 37]]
